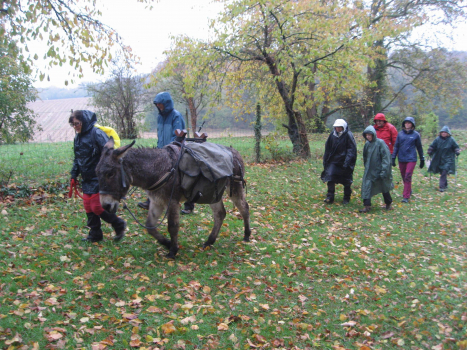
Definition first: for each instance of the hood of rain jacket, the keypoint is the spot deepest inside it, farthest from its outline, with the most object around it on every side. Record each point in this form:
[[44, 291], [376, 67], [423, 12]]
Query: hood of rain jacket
[[409, 119], [380, 116], [445, 129]]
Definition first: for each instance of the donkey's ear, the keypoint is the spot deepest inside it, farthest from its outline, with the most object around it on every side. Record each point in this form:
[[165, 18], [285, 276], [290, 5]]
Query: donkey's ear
[[110, 143], [120, 152]]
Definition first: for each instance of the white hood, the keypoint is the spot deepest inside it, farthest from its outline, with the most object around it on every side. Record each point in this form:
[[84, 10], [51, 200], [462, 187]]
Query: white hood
[[340, 122]]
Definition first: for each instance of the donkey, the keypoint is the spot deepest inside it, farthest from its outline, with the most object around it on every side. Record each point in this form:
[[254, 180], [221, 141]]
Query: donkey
[[145, 167]]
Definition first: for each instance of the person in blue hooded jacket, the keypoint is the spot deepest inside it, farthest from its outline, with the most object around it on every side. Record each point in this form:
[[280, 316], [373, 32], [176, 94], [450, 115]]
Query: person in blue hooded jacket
[[408, 143], [168, 120]]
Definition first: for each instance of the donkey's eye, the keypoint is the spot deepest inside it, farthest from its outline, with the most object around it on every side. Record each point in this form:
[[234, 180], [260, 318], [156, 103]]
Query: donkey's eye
[[110, 175]]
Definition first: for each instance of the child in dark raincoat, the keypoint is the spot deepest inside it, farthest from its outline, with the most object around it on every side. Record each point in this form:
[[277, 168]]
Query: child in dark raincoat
[[443, 150], [339, 159], [377, 177]]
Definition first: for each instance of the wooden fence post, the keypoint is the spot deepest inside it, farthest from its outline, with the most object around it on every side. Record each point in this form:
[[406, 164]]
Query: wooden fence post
[[258, 133]]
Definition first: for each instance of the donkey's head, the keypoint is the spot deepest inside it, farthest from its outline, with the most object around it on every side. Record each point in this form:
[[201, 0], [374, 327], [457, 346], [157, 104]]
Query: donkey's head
[[114, 182]]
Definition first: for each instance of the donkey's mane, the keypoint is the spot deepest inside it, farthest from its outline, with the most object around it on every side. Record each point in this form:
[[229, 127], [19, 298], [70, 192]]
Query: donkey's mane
[[143, 152]]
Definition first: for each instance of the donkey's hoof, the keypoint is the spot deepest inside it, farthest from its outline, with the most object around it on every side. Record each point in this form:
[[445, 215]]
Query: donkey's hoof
[[170, 256], [246, 239], [207, 246]]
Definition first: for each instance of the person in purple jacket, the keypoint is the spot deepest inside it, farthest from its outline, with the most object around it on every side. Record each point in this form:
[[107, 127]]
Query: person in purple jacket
[[408, 143]]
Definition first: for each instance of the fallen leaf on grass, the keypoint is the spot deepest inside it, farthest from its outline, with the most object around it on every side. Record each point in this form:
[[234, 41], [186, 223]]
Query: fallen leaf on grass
[[222, 327], [187, 320], [16, 339], [168, 328]]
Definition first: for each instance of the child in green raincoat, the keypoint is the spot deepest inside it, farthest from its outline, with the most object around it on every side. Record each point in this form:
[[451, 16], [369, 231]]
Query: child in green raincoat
[[377, 177], [443, 151]]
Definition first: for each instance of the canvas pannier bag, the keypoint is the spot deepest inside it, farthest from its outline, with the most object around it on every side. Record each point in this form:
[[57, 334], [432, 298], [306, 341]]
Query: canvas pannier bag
[[205, 169]]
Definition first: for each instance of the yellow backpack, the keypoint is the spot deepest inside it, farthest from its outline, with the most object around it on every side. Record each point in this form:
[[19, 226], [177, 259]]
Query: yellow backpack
[[110, 132]]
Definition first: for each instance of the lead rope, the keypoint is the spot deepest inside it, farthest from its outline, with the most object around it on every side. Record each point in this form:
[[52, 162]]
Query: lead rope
[[170, 199]]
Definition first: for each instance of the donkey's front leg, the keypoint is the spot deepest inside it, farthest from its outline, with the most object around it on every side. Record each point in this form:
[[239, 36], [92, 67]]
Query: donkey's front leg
[[155, 211], [219, 213], [173, 223]]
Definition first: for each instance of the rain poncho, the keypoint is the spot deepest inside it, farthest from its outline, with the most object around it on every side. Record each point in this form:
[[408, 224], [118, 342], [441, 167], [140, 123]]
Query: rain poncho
[[377, 177], [443, 151], [340, 155]]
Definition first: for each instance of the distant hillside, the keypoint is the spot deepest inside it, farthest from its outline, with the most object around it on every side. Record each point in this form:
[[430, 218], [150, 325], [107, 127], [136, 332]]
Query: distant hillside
[[56, 93], [52, 116]]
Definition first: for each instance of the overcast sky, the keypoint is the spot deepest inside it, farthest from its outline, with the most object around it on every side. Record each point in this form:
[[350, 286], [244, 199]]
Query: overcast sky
[[148, 31]]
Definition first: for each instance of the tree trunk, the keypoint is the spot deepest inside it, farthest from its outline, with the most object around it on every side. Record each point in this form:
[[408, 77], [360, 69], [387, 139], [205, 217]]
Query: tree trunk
[[296, 127], [193, 113], [377, 89]]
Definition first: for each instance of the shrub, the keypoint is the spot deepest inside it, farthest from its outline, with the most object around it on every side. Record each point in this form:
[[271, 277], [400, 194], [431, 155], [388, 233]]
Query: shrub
[[428, 126]]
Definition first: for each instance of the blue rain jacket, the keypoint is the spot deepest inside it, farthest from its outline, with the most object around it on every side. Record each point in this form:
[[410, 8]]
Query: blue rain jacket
[[407, 144], [168, 120]]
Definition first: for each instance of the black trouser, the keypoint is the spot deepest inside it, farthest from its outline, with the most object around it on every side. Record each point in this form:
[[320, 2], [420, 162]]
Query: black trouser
[[94, 223], [443, 180], [387, 199], [332, 190]]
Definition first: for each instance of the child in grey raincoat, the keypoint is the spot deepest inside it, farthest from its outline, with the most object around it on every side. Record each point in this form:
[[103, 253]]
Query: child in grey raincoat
[[443, 151], [377, 177]]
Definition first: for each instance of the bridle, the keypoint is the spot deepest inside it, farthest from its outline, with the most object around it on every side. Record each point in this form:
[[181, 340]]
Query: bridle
[[125, 179]]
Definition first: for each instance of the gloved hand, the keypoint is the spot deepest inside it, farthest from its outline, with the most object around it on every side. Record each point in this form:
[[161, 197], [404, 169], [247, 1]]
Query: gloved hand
[[73, 183], [422, 163], [393, 161]]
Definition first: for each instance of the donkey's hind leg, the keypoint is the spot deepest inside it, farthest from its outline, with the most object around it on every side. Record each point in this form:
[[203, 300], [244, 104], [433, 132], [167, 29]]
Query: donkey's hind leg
[[219, 213], [239, 200], [155, 211]]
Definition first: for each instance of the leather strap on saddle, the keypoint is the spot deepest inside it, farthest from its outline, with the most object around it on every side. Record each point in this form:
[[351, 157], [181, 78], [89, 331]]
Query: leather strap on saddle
[[168, 175]]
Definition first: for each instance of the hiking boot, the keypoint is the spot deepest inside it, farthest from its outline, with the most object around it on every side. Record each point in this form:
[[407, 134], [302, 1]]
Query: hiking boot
[[366, 209], [186, 211], [91, 239], [405, 200], [144, 205], [329, 200]]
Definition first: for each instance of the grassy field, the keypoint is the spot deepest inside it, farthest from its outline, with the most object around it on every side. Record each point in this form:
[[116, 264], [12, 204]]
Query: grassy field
[[314, 276], [44, 162]]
